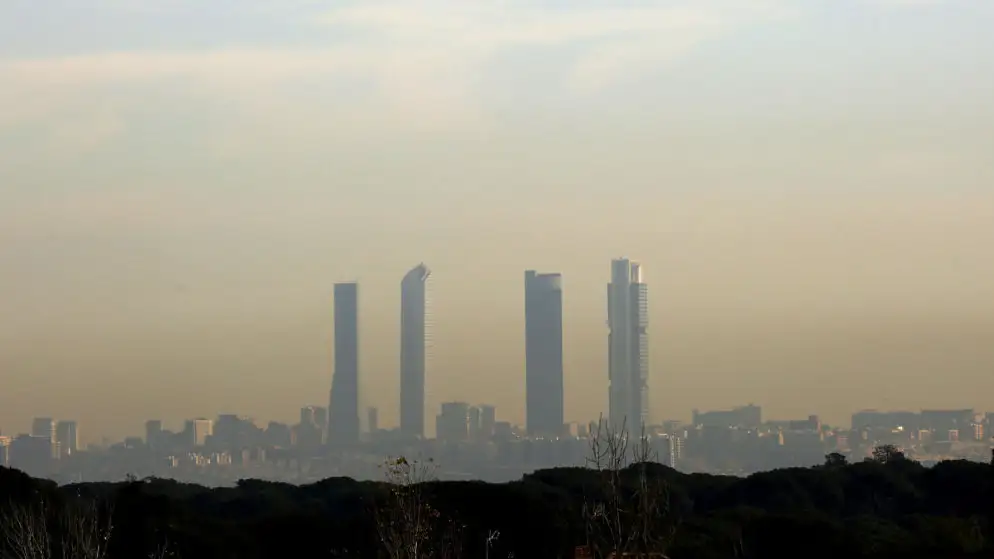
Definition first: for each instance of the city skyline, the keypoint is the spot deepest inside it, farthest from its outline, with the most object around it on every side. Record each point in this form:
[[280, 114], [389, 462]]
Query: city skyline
[[626, 291], [627, 366], [736, 441]]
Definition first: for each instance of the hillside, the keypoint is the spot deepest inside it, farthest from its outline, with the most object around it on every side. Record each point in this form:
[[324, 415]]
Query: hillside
[[891, 507]]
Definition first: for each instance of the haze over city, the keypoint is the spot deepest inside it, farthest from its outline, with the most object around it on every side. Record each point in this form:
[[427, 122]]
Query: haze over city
[[807, 186]]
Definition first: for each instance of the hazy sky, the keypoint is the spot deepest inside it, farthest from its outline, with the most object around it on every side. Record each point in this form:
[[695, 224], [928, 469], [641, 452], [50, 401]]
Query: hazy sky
[[809, 185]]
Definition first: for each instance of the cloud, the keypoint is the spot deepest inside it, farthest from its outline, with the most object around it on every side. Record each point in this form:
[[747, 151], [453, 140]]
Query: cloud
[[84, 133], [241, 66], [411, 67], [415, 43], [907, 3], [496, 25], [610, 42]]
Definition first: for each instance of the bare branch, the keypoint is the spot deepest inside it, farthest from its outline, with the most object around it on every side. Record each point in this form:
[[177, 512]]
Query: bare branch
[[162, 551], [86, 530], [408, 526], [24, 532], [631, 513]]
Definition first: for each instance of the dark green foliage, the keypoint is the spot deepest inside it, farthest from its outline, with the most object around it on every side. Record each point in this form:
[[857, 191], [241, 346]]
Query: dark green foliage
[[835, 460], [886, 507], [887, 453]]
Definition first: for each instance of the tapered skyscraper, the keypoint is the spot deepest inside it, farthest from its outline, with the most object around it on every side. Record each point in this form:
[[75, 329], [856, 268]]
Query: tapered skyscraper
[[413, 350], [628, 346], [343, 408], [543, 353]]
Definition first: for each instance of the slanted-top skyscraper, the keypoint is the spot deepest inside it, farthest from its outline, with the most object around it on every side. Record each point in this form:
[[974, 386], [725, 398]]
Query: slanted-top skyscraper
[[628, 346], [543, 353], [343, 408], [413, 350]]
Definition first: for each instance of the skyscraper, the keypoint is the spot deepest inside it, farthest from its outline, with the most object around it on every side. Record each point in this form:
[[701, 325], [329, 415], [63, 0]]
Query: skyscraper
[[43, 427], [452, 425], [543, 353], [343, 409], [413, 350], [321, 419], [373, 419], [198, 430], [153, 434], [309, 431], [307, 416], [488, 417], [67, 435], [628, 346]]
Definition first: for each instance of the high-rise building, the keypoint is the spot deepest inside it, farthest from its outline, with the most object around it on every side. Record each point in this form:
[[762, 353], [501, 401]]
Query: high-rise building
[[307, 416], [67, 435], [628, 346], [543, 353], [153, 434], [233, 433], [198, 430], [44, 427], [32, 454], [343, 408], [475, 424], [321, 419], [452, 425], [309, 431], [488, 417], [373, 419], [413, 350]]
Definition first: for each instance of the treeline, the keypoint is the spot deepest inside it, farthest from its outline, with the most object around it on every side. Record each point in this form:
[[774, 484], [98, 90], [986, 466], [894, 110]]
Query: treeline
[[888, 506]]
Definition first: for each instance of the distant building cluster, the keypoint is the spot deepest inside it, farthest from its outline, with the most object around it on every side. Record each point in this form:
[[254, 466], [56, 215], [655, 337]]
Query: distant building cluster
[[48, 441], [470, 441]]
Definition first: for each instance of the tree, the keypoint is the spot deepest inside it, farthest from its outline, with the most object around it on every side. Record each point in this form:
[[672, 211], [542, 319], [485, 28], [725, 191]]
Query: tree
[[408, 526], [835, 460], [162, 552], [887, 454], [78, 530], [86, 530], [492, 536], [630, 513], [25, 533]]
